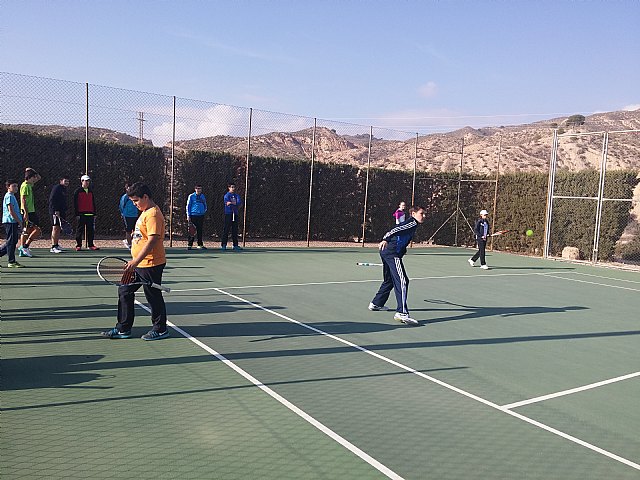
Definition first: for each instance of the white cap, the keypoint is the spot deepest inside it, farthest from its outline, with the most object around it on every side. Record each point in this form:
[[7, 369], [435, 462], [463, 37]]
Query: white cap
[[85, 177], [484, 212]]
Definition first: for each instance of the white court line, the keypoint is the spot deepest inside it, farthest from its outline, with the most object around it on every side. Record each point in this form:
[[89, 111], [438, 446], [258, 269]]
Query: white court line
[[607, 278], [570, 391], [377, 280], [495, 406], [301, 413], [596, 283]]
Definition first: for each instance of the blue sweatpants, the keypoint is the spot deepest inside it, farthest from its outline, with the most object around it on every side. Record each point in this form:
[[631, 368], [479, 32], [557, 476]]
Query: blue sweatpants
[[394, 278]]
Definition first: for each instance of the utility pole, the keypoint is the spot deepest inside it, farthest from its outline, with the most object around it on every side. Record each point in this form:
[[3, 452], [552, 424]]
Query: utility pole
[[141, 121]]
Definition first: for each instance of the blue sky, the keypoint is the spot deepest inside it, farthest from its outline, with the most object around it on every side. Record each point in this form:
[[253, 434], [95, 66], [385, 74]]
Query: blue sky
[[418, 66]]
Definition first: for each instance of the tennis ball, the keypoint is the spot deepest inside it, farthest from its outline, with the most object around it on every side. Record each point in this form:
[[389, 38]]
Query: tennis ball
[[529, 233]]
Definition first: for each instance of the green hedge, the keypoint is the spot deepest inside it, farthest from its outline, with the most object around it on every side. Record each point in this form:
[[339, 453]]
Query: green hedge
[[279, 195]]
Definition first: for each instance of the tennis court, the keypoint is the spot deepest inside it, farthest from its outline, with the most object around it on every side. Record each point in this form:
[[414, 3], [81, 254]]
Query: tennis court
[[276, 369]]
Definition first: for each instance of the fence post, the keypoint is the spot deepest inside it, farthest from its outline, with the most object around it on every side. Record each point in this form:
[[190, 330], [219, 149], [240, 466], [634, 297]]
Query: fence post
[[495, 190], [173, 144], [246, 183], [313, 153], [366, 187], [459, 185], [413, 185], [86, 131], [550, 188], [603, 171]]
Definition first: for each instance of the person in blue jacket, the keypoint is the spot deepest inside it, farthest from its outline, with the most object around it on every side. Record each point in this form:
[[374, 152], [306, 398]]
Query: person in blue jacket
[[129, 213], [196, 209], [392, 248], [481, 231], [231, 203]]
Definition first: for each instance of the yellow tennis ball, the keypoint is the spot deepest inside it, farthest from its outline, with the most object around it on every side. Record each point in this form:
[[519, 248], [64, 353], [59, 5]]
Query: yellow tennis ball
[[529, 233]]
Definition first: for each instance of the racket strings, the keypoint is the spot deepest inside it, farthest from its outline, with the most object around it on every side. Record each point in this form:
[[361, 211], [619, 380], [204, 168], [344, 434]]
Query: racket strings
[[112, 270]]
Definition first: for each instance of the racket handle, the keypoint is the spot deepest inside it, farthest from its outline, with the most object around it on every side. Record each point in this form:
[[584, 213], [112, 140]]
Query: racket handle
[[160, 287]]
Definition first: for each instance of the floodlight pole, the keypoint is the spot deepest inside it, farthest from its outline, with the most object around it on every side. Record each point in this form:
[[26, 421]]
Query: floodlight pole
[[86, 131], [495, 190], [550, 188]]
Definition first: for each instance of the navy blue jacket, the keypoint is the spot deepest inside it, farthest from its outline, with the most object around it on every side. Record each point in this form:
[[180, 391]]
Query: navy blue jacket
[[58, 199], [399, 237], [482, 228]]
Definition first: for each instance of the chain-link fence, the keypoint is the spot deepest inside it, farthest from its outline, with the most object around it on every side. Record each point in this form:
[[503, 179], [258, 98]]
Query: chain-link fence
[[312, 181], [594, 196]]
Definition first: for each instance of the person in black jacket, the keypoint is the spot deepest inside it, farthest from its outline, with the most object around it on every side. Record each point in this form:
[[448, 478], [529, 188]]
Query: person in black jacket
[[482, 233], [57, 211]]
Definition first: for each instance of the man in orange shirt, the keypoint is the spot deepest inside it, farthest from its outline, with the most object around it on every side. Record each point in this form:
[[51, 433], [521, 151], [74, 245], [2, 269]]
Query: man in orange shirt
[[149, 260]]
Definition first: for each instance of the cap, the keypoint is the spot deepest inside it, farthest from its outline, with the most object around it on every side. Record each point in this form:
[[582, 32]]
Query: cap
[[85, 177], [484, 212]]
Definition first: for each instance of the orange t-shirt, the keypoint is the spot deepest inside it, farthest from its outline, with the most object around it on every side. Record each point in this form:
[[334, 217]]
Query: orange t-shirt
[[150, 222]]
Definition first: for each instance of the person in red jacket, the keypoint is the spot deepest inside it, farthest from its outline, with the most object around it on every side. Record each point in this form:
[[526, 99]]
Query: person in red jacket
[[85, 207]]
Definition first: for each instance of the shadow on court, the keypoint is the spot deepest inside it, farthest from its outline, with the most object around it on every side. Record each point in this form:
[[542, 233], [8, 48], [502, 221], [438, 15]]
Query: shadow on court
[[468, 312]]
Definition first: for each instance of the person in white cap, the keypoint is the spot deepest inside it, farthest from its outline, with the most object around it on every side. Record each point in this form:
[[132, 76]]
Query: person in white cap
[[482, 233], [85, 207]]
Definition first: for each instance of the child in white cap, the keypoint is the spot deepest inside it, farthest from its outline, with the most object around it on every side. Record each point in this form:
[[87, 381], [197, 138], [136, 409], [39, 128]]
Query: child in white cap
[[482, 233]]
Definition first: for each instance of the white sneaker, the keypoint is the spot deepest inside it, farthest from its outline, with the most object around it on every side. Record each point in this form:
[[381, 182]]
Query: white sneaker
[[484, 267], [26, 252], [376, 308], [405, 318], [471, 262], [55, 249]]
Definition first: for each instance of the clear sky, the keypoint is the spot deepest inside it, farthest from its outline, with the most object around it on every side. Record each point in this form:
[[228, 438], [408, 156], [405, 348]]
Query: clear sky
[[418, 66]]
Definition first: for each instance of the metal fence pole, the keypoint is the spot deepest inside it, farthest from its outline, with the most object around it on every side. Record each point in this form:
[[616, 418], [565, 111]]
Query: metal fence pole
[[246, 182], [173, 151], [86, 154], [313, 153], [459, 185], [366, 187], [495, 190], [415, 164], [550, 188], [603, 170]]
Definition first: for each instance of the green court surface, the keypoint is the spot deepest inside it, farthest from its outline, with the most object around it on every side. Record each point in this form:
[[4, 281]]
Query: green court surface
[[276, 369]]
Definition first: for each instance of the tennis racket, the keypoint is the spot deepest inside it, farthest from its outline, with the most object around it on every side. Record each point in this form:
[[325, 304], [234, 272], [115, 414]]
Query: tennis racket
[[366, 264], [28, 227], [111, 270], [65, 226], [191, 229], [499, 232]]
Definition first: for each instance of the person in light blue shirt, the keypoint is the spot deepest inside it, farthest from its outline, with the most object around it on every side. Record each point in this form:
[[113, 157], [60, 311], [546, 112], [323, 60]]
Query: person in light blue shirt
[[12, 222], [129, 213], [196, 210]]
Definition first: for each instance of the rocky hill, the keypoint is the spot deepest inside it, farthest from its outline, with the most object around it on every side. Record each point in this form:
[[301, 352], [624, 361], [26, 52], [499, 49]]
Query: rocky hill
[[518, 148]]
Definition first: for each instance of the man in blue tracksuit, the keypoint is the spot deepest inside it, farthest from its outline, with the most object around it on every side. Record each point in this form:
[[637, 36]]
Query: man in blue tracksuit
[[196, 209], [231, 203], [392, 248]]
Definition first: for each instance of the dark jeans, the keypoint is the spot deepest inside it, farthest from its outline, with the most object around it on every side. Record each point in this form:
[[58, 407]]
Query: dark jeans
[[88, 222], [126, 297], [12, 232], [230, 224], [482, 245], [198, 221]]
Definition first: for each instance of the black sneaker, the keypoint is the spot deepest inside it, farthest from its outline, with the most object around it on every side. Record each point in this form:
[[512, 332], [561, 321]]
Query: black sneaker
[[115, 333], [153, 335]]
